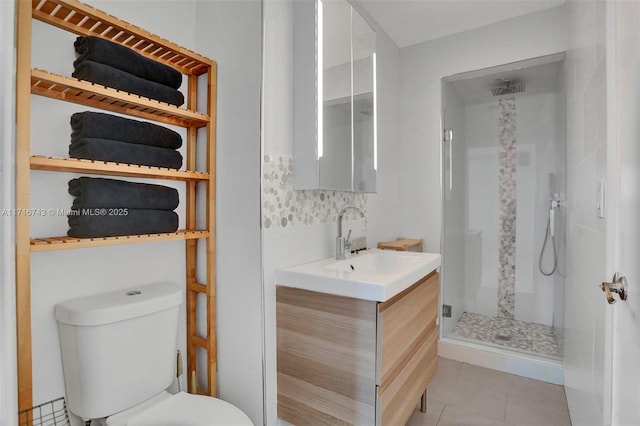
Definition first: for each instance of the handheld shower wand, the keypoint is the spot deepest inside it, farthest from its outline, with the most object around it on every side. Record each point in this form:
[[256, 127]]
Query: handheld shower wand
[[550, 232]]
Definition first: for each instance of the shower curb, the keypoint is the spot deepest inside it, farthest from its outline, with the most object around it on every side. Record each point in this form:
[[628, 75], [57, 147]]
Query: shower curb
[[546, 370]]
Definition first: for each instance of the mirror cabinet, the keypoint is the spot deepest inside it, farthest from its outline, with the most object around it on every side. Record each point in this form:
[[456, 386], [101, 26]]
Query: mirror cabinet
[[334, 97]]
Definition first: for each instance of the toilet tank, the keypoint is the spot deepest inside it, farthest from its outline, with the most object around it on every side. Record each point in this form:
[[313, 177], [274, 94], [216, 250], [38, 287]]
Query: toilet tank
[[118, 348]]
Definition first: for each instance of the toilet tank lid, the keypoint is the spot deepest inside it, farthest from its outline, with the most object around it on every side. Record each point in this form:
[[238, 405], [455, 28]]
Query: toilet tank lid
[[119, 305]]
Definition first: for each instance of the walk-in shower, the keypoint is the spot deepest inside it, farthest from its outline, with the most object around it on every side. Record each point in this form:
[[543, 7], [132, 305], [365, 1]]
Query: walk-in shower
[[503, 183]]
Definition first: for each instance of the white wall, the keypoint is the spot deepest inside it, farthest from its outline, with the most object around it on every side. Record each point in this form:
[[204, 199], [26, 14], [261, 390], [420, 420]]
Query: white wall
[[229, 32], [540, 138], [585, 313], [290, 245], [422, 67], [624, 166], [8, 379]]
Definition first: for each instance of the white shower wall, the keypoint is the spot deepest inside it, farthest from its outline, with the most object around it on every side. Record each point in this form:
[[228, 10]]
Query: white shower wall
[[539, 138]]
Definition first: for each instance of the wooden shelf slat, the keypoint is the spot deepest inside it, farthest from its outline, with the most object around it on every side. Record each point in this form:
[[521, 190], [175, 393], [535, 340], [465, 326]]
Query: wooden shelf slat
[[82, 92], [64, 243], [75, 165], [199, 341], [198, 288], [82, 19]]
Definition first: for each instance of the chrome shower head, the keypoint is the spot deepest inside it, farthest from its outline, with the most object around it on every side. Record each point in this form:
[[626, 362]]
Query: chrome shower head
[[510, 87]]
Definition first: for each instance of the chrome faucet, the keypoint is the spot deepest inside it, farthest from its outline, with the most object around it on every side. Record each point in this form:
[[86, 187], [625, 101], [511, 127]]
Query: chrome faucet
[[341, 242]]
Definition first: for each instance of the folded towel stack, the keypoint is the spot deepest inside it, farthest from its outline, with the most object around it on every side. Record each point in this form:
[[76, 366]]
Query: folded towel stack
[[107, 208], [106, 137], [110, 64]]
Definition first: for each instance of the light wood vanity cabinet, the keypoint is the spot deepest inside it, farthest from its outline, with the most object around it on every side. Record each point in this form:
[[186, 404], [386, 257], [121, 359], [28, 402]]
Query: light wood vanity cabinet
[[351, 361]]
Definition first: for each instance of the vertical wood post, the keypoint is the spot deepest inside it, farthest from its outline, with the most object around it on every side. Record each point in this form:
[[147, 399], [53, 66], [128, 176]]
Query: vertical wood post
[[23, 239], [212, 77]]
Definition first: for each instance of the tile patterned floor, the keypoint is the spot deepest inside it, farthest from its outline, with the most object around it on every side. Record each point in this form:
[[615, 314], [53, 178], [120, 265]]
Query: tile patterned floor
[[466, 395], [521, 335]]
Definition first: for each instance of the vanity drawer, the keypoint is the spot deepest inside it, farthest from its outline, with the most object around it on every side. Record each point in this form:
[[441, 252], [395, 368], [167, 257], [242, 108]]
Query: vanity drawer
[[395, 404], [404, 322]]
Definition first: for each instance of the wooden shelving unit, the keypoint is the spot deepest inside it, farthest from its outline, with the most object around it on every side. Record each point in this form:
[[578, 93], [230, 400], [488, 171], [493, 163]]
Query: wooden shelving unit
[[79, 18]]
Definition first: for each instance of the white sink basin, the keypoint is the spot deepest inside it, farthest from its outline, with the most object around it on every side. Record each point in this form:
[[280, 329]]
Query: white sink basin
[[373, 275], [378, 262]]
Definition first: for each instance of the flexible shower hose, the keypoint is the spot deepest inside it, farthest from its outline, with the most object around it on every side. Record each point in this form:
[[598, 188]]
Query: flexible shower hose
[[544, 245]]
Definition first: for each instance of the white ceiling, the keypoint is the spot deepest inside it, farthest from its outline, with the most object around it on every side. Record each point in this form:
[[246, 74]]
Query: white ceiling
[[409, 22], [539, 75]]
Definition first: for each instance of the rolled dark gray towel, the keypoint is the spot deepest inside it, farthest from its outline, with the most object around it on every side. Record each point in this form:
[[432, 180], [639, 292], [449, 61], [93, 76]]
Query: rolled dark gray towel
[[122, 80], [105, 223], [118, 56], [100, 192], [106, 126], [123, 152]]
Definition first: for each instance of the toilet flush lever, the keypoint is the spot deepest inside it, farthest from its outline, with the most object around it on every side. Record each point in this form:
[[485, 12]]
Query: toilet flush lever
[[179, 368], [617, 285]]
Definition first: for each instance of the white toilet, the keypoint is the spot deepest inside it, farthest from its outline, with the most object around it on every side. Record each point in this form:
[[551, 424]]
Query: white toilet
[[119, 357]]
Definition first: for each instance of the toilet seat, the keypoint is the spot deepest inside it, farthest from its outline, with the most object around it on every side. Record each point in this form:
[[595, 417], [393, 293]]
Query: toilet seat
[[181, 409]]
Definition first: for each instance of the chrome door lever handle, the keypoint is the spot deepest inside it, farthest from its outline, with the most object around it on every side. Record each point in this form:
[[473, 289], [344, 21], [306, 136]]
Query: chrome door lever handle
[[618, 285], [607, 291]]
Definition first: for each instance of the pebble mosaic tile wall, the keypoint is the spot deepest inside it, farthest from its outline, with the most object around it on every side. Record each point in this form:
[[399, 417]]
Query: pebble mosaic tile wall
[[507, 208], [282, 206]]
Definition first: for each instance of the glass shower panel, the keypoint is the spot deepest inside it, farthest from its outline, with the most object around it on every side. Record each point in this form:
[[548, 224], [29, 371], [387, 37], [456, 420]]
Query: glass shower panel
[[454, 209], [503, 165]]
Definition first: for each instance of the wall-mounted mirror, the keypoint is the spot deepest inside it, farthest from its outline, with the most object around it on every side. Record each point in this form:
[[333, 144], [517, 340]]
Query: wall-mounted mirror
[[335, 98]]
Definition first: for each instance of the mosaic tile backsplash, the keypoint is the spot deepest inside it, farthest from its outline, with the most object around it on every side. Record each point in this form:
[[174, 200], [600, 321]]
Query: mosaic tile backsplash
[[282, 206], [507, 208]]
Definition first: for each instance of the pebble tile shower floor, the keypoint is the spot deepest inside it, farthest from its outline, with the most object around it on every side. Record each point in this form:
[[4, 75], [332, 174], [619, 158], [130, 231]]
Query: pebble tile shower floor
[[520, 335]]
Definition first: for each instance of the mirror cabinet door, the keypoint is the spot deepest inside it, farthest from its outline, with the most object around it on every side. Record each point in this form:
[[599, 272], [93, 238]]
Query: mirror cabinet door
[[364, 106], [334, 117], [334, 98]]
